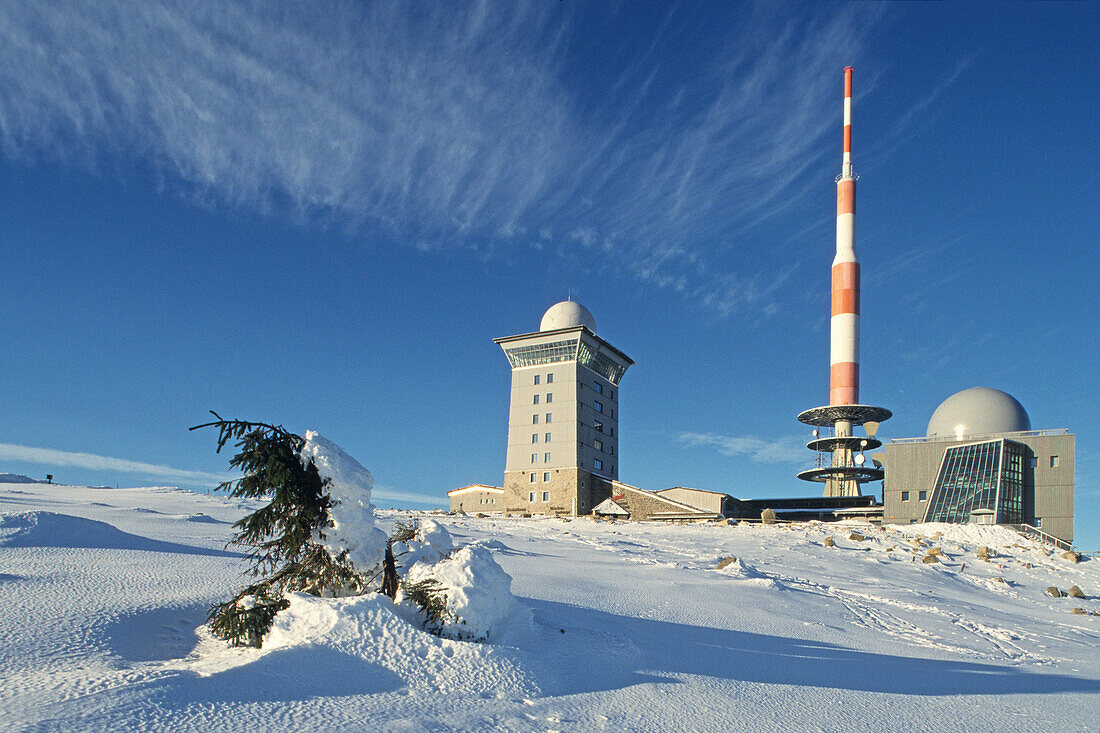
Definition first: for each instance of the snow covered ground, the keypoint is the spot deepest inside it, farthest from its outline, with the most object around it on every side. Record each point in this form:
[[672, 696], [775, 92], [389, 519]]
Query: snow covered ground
[[635, 628]]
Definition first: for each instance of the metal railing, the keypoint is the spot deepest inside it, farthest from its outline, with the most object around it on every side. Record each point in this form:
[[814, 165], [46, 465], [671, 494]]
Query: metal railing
[[978, 436], [1038, 534]]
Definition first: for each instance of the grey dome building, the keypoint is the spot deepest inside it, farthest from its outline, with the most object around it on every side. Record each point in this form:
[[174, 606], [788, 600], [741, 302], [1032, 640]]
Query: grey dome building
[[978, 411], [981, 461]]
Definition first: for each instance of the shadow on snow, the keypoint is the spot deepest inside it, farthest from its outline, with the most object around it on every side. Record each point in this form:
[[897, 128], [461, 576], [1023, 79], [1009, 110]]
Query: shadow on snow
[[646, 648]]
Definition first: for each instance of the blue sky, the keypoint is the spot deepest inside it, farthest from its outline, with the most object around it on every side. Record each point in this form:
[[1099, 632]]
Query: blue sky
[[322, 219]]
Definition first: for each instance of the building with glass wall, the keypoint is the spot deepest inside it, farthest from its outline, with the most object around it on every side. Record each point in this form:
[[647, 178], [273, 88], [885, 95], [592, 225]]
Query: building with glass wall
[[980, 455], [563, 415]]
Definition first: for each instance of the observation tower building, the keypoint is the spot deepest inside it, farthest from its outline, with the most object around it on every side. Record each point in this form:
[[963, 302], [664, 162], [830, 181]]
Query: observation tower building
[[563, 416], [834, 423]]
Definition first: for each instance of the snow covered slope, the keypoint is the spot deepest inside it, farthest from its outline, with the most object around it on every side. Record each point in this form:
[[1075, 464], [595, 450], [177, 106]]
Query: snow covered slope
[[105, 590]]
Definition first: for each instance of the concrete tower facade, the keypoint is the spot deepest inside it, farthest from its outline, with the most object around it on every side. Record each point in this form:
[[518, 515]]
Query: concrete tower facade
[[563, 415], [846, 469]]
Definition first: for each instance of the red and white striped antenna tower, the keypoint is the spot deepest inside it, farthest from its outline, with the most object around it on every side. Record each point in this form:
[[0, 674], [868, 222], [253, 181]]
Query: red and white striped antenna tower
[[846, 470]]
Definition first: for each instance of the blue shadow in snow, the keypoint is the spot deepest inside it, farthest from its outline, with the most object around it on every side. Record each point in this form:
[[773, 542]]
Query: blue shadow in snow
[[298, 673], [155, 635], [48, 529], [664, 647]]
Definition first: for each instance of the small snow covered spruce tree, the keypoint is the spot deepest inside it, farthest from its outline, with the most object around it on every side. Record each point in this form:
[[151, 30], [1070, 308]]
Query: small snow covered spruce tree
[[283, 553], [286, 538]]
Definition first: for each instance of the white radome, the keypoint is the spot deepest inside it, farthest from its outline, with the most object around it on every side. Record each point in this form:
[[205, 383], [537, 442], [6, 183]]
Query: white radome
[[567, 314], [978, 411]]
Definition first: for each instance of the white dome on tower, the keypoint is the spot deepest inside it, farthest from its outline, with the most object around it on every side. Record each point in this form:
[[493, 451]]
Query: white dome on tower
[[978, 411], [567, 314]]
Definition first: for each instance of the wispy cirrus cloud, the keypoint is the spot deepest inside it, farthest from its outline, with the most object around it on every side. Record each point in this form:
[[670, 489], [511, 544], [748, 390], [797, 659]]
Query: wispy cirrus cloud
[[789, 449], [447, 125], [93, 462]]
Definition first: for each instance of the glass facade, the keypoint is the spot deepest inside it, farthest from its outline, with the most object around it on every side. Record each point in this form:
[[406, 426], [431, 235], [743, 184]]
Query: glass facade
[[986, 475], [552, 353], [559, 351], [600, 364]]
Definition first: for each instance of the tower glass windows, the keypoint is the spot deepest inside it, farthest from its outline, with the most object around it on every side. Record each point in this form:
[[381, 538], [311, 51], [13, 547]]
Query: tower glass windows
[[537, 354], [599, 363]]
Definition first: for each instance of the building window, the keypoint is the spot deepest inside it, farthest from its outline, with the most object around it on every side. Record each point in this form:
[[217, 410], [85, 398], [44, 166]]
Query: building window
[[1038, 522], [546, 477], [611, 450], [547, 437], [598, 387], [534, 458], [610, 394], [534, 437], [535, 419], [549, 378], [546, 458], [546, 496], [598, 426], [612, 432], [532, 481], [905, 496], [611, 412], [1035, 461], [537, 378], [1054, 461], [549, 397], [597, 406], [531, 496], [598, 445], [922, 496], [548, 416], [598, 464], [536, 400]]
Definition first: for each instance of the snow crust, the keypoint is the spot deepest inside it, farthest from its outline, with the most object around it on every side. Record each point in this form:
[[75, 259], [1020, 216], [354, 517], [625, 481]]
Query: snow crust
[[634, 628], [352, 515]]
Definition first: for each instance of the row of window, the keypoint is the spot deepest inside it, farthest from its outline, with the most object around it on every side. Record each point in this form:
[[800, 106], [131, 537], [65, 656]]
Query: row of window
[[535, 418], [535, 438], [535, 458], [545, 496], [549, 398], [921, 496], [545, 477], [549, 379]]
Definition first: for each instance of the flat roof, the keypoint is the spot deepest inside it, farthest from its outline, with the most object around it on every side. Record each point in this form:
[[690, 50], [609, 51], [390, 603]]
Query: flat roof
[[475, 487]]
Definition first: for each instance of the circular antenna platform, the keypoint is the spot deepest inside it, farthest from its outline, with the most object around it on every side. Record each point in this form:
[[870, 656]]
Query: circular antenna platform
[[859, 474], [830, 415], [851, 442]]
